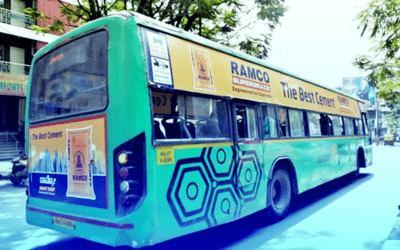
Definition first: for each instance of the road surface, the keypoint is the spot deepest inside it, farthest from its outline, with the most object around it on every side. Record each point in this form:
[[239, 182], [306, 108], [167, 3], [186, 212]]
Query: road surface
[[343, 214]]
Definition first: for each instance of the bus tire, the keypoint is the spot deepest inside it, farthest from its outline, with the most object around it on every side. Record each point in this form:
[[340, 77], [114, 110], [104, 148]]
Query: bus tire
[[356, 173], [280, 195]]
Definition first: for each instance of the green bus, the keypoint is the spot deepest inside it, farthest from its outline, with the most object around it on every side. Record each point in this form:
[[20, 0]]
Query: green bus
[[139, 132]]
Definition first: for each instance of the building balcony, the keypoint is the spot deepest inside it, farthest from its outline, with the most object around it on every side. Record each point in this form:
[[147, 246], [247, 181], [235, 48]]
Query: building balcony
[[16, 23], [14, 68], [15, 18]]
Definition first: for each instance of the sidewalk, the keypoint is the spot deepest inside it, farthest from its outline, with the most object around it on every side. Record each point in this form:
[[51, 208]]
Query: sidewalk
[[393, 240], [5, 169]]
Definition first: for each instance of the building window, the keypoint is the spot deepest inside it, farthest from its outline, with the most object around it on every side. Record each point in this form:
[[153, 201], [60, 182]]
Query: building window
[[1, 52]]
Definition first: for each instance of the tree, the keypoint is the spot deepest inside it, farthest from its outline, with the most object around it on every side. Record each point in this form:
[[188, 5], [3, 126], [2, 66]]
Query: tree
[[219, 20], [393, 118], [382, 20]]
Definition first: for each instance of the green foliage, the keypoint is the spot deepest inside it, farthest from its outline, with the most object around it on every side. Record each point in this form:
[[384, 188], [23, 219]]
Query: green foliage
[[393, 118], [382, 21], [219, 20]]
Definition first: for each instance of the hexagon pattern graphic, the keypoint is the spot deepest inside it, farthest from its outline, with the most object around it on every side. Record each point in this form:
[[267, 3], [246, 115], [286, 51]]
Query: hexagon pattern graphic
[[212, 188], [225, 205], [221, 162], [190, 191], [248, 174]]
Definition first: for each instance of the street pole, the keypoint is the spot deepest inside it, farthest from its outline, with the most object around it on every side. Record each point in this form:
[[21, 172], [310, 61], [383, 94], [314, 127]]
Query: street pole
[[376, 119]]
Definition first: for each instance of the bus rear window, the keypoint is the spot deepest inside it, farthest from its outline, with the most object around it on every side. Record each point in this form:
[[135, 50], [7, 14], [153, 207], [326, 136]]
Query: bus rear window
[[71, 79]]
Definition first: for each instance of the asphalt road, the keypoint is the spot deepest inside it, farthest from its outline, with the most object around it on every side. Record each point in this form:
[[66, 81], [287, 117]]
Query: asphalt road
[[343, 214]]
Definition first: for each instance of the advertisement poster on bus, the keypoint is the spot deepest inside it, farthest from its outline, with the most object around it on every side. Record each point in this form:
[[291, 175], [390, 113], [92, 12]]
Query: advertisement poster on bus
[[359, 87], [68, 162], [196, 68]]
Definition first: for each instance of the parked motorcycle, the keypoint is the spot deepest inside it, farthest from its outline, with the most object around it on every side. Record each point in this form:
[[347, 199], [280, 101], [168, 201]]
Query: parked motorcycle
[[20, 169]]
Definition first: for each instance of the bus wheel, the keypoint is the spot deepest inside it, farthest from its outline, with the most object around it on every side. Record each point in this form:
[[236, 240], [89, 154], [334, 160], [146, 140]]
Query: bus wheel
[[280, 195], [356, 173]]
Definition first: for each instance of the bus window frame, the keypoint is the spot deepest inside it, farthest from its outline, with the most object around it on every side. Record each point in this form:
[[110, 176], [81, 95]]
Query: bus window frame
[[60, 45], [343, 127], [358, 126], [183, 141], [233, 120], [273, 106], [344, 133], [364, 120], [308, 124], [351, 119], [277, 107], [305, 123]]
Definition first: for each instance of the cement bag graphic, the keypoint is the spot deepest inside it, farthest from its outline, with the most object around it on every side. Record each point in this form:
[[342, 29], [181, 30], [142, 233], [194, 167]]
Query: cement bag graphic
[[80, 178]]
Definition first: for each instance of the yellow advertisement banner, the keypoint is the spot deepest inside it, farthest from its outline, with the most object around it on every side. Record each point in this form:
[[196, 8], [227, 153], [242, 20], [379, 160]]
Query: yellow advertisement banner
[[70, 155], [199, 69]]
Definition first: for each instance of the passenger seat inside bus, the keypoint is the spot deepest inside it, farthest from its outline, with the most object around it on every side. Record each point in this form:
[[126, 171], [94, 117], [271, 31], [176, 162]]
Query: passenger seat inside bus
[[175, 128], [158, 133], [208, 128], [240, 125]]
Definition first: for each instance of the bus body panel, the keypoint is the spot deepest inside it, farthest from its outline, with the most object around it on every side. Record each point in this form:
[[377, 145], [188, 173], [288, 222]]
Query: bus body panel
[[205, 186], [188, 187], [107, 228], [316, 160]]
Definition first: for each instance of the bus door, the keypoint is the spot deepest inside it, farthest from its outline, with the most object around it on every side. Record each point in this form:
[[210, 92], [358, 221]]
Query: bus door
[[248, 144]]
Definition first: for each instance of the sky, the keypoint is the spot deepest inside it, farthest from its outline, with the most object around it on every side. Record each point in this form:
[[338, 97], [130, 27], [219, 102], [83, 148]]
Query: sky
[[318, 40]]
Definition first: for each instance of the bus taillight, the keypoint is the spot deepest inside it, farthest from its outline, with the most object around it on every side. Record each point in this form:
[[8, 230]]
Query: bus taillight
[[130, 166]]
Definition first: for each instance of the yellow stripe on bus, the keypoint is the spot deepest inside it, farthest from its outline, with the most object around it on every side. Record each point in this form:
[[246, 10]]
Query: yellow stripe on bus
[[313, 139], [200, 145]]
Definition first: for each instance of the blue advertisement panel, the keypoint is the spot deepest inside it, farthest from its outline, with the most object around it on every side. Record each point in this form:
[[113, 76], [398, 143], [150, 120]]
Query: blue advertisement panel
[[53, 186], [359, 87]]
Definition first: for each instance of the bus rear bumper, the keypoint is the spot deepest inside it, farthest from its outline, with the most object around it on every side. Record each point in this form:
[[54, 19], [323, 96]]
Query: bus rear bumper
[[108, 233]]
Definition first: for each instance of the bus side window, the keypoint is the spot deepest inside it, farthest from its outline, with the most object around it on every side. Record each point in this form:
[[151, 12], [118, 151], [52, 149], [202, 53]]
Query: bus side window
[[158, 133], [324, 123], [365, 124], [269, 122], [355, 126], [314, 125], [246, 120], [297, 124], [349, 126], [360, 130], [175, 128], [178, 116], [240, 126], [343, 126], [337, 126], [211, 116], [283, 125]]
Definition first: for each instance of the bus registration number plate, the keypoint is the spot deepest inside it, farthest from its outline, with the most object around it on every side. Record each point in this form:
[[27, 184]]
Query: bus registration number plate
[[64, 222]]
